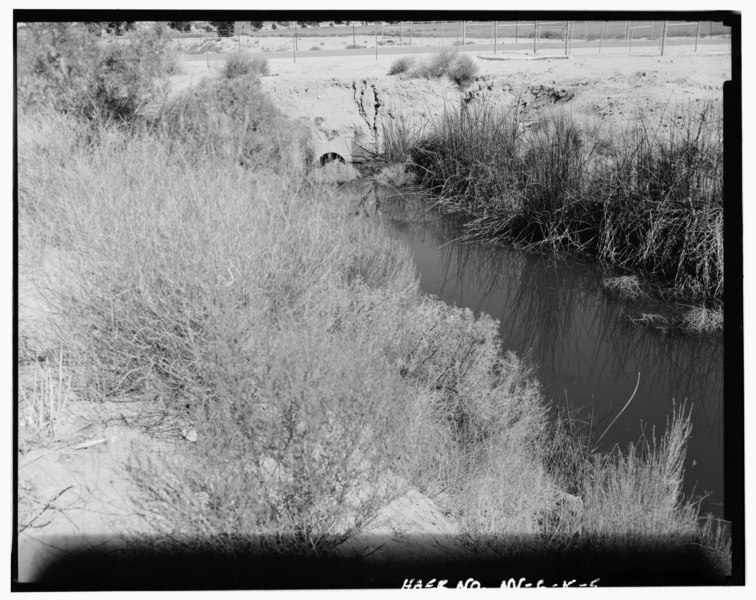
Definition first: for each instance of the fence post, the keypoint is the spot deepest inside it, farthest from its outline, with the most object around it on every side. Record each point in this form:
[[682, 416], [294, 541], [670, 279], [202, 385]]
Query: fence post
[[664, 37], [376, 45], [382, 40], [463, 33], [239, 36], [496, 34], [698, 33], [631, 38], [601, 35], [627, 30], [354, 39], [294, 43], [410, 32], [517, 27], [565, 30], [401, 34], [535, 36]]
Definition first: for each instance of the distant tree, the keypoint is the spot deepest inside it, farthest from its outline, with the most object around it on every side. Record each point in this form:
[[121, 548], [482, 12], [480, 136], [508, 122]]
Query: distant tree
[[304, 24], [256, 25], [95, 26], [225, 28], [180, 25], [338, 22], [118, 28]]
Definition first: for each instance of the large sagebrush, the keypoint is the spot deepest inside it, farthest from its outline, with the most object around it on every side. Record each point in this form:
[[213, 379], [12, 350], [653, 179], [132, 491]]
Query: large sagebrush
[[68, 66]]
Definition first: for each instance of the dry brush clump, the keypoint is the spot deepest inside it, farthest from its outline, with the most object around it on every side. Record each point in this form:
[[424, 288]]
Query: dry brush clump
[[292, 337], [233, 119], [68, 66], [241, 65], [401, 65], [459, 68]]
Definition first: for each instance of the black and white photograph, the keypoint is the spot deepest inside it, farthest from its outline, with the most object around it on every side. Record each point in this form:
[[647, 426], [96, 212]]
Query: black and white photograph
[[377, 299]]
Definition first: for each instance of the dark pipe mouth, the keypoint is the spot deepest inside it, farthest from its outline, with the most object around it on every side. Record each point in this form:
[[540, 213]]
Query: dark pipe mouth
[[331, 157]]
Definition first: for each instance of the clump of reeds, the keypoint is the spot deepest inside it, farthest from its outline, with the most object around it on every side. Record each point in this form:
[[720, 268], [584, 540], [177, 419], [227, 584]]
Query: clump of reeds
[[648, 200], [663, 209], [42, 401], [617, 488], [400, 134], [469, 160], [627, 497]]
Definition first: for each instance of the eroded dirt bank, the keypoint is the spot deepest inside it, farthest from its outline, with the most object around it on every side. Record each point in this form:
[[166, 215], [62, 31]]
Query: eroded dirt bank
[[359, 97]]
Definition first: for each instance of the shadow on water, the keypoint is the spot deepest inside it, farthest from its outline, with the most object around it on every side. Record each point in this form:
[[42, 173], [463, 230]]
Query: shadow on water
[[587, 351]]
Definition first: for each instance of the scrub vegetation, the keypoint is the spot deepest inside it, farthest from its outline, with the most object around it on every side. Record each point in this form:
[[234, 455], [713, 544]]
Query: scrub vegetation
[[460, 68], [201, 267]]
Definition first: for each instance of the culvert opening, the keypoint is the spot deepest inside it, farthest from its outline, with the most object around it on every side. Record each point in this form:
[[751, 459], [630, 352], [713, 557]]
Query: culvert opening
[[329, 157]]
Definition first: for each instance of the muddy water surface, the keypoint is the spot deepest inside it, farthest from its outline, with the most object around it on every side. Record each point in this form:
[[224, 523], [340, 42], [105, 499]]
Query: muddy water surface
[[588, 353]]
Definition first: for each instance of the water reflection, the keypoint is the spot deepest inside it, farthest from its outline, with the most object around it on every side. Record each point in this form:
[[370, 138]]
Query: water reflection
[[587, 351]]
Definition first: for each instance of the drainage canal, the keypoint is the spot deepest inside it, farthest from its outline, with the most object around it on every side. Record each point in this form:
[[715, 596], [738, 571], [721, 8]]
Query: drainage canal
[[587, 351]]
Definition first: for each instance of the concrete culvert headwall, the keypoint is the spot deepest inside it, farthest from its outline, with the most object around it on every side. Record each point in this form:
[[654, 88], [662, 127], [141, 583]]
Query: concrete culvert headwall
[[329, 157]]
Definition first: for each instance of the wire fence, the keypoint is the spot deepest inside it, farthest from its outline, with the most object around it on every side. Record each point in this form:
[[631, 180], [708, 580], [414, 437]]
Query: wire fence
[[529, 37]]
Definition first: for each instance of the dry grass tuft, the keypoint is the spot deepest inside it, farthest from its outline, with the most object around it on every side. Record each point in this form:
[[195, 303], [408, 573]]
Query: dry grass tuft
[[41, 404], [703, 320], [626, 286]]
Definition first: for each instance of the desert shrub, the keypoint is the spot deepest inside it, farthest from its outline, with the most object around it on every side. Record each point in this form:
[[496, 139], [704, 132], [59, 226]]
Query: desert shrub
[[240, 65], [294, 340], [67, 66], [401, 65], [233, 119], [462, 71], [437, 66]]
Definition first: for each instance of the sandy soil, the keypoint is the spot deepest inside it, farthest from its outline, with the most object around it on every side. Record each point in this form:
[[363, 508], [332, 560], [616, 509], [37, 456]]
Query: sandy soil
[[83, 492]]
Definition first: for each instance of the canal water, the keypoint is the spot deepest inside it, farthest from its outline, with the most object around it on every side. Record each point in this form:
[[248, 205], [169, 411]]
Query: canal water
[[588, 353]]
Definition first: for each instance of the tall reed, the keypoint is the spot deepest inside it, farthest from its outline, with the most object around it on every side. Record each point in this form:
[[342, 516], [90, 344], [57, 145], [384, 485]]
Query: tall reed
[[645, 200]]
